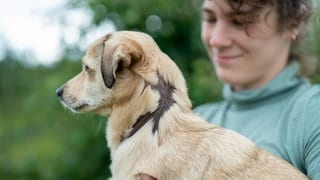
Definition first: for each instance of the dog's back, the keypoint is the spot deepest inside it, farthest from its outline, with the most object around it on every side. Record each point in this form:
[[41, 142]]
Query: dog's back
[[186, 147]]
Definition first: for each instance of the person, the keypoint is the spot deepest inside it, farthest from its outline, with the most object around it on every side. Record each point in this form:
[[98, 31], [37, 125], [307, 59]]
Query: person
[[253, 46]]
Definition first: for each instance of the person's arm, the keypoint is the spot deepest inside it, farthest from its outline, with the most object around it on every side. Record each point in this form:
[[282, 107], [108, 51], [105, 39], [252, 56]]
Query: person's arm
[[312, 137]]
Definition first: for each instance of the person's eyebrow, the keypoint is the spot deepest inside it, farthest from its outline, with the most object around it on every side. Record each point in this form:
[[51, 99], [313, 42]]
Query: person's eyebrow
[[209, 11]]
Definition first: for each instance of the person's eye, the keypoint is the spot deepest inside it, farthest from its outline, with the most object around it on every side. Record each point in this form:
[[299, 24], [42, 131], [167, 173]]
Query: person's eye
[[237, 22], [240, 20], [209, 19]]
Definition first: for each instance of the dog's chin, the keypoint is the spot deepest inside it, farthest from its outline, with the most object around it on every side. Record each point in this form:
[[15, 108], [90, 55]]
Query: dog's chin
[[78, 108]]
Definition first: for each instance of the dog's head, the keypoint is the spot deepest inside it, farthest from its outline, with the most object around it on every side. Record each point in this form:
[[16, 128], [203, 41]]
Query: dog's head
[[116, 67]]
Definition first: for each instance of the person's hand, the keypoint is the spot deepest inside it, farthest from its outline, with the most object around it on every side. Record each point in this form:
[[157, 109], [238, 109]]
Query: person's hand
[[146, 177]]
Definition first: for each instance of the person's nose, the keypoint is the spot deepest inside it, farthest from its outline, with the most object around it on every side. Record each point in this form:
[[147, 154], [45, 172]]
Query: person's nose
[[221, 35]]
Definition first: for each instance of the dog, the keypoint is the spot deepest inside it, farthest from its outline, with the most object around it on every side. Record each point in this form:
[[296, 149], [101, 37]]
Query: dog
[[151, 130]]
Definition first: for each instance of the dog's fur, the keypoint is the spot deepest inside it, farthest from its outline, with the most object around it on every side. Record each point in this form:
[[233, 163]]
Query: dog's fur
[[151, 128]]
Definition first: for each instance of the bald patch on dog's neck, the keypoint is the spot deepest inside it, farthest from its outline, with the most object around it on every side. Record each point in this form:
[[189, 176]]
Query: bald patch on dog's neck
[[165, 102]]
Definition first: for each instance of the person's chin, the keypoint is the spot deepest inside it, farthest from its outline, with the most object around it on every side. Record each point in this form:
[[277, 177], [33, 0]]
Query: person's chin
[[226, 76]]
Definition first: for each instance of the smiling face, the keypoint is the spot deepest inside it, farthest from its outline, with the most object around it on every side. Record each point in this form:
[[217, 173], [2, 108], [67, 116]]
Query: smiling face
[[244, 58]]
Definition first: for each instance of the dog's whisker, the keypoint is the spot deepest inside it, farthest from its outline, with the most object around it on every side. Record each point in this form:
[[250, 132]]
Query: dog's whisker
[[99, 126]]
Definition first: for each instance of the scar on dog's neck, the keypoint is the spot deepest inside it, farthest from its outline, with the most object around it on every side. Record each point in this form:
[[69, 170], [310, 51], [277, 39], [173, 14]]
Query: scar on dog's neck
[[165, 102]]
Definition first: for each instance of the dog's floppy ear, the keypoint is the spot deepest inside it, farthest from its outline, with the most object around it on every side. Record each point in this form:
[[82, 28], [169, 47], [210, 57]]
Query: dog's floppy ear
[[124, 54]]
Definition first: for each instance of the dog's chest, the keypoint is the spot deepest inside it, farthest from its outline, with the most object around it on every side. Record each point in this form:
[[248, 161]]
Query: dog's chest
[[132, 154]]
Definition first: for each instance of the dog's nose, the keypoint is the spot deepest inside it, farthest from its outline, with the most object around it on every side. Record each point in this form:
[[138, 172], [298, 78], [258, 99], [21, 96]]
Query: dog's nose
[[59, 91]]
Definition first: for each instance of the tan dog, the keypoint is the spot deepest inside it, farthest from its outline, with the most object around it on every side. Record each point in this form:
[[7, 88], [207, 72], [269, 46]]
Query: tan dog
[[151, 128]]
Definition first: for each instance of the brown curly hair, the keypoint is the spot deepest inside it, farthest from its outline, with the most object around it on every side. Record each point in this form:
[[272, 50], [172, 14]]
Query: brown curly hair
[[290, 12]]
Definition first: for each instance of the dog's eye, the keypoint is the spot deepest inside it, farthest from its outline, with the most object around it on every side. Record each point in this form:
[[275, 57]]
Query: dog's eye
[[90, 71], [86, 68]]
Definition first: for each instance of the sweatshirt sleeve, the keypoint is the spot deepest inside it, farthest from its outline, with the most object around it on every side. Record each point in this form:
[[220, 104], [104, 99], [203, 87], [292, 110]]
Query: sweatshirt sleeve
[[312, 137]]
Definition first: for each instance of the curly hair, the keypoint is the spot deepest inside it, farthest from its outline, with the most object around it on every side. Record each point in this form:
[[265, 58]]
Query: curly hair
[[291, 13]]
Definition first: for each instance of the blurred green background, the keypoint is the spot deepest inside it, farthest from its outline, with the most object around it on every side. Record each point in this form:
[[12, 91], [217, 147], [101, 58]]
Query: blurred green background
[[39, 139]]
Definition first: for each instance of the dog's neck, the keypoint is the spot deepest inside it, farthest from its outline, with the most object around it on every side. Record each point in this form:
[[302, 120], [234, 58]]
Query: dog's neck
[[164, 104]]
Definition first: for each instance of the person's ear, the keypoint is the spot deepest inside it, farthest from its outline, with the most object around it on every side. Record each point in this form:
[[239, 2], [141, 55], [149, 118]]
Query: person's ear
[[299, 28]]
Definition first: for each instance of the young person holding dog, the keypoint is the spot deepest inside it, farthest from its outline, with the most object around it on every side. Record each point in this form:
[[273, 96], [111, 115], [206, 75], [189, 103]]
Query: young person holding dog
[[253, 46]]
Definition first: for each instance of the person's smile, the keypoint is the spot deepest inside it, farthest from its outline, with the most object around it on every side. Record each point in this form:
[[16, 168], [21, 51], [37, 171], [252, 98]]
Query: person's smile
[[226, 59]]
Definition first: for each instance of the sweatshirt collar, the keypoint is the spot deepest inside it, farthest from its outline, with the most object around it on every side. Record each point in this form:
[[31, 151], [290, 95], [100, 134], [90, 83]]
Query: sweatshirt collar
[[285, 80]]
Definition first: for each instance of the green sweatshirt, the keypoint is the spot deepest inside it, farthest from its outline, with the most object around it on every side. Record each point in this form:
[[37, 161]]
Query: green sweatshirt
[[282, 117]]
